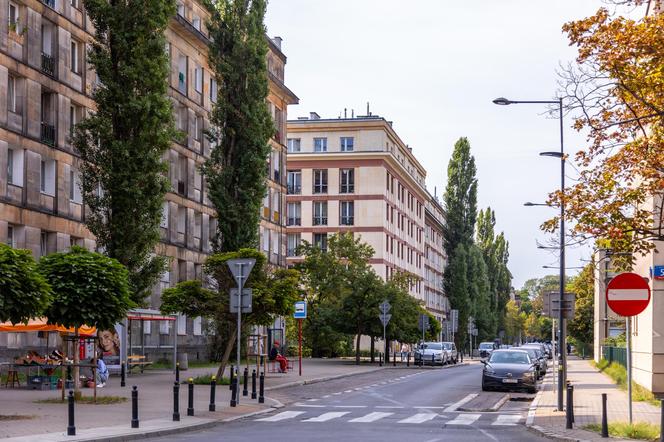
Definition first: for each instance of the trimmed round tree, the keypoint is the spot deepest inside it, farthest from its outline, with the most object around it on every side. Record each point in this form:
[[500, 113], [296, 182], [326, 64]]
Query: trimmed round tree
[[24, 292], [88, 289]]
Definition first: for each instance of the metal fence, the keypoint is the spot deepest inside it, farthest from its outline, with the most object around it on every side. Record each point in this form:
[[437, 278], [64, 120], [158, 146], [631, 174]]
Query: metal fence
[[615, 354]]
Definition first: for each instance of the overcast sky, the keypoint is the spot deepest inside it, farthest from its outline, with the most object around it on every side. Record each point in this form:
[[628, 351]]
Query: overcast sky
[[433, 67]]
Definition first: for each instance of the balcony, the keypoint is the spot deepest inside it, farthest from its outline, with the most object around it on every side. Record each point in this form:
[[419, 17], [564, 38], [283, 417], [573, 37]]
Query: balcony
[[293, 221], [320, 221], [48, 134], [347, 220], [347, 188], [48, 64]]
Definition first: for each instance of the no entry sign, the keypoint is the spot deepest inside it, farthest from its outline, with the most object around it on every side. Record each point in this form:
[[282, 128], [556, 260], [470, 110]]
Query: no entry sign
[[628, 294]]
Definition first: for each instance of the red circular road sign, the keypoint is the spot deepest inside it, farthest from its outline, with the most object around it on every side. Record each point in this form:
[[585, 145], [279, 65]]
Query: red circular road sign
[[628, 294]]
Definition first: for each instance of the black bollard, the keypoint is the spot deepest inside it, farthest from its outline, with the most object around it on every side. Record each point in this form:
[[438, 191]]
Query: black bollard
[[230, 379], [134, 407], [234, 392], [123, 374], [261, 389], [571, 402], [245, 379], [605, 424], [394, 359], [253, 384], [380, 359], [176, 401], [71, 428], [408, 359], [213, 387], [177, 372], [433, 361], [568, 409], [190, 406]]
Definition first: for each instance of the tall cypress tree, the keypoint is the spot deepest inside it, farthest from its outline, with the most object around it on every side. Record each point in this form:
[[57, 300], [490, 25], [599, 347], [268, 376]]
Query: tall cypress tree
[[123, 142], [460, 201], [241, 122]]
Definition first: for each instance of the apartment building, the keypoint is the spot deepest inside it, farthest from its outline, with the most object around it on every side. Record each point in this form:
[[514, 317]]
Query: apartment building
[[435, 262], [46, 87], [357, 175]]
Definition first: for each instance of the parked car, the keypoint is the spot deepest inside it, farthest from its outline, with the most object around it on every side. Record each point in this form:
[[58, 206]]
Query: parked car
[[538, 359], [486, 348], [431, 353], [452, 352], [541, 347], [509, 369]]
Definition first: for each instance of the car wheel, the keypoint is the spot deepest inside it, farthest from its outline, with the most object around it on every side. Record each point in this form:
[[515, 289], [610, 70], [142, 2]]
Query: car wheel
[[532, 390], [485, 388]]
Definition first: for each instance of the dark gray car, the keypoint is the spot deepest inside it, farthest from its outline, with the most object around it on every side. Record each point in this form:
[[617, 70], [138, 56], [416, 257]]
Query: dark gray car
[[511, 369]]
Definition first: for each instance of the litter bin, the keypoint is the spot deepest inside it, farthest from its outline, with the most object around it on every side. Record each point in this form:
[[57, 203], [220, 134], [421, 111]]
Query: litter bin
[[183, 359]]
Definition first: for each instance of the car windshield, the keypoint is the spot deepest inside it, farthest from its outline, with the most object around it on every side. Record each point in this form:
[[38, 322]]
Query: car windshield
[[531, 351], [447, 346], [509, 357], [486, 345], [431, 346]]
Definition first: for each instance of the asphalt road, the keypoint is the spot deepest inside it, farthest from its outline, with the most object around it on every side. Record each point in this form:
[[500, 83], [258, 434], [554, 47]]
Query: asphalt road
[[387, 405]]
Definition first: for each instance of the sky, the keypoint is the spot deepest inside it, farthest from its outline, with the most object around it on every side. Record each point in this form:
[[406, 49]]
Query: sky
[[433, 67]]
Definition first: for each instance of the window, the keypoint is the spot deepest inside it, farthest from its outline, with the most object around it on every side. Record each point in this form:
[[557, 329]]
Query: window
[[213, 90], [74, 4], [74, 56], [182, 73], [197, 325], [320, 144], [294, 214], [182, 324], [43, 244], [320, 241], [47, 180], [320, 213], [13, 15], [198, 127], [74, 187], [293, 144], [266, 240], [294, 182], [347, 181], [75, 114], [181, 9], [164, 215], [10, 236], [347, 144], [320, 180], [198, 78], [196, 22], [346, 213], [11, 93], [294, 240], [15, 167]]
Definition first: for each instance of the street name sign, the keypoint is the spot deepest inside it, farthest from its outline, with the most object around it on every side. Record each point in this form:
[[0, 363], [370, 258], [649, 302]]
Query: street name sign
[[628, 294]]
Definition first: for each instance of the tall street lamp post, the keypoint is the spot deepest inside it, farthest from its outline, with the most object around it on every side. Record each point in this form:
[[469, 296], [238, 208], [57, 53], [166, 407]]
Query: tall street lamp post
[[562, 368]]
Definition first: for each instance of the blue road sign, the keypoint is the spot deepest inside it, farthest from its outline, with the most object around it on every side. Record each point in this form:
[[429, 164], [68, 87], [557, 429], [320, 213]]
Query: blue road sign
[[300, 310]]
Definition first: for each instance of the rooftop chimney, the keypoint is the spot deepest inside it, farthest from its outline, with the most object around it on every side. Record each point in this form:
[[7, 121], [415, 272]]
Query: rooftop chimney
[[277, 41], [314, 116]]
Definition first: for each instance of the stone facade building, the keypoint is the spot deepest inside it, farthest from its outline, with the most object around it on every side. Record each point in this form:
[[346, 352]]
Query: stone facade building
[[435, 262], [46, 87]]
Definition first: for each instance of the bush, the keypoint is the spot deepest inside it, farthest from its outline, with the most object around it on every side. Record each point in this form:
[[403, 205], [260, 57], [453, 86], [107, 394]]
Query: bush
[[619, 375], [639, 430]]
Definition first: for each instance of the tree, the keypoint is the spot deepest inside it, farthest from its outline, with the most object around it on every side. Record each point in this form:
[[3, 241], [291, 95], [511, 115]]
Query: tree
[[24, 293], [88, 289], [241, 123], [479, 293], [274, 292], [616, 90], [515, 321], [457, 290], [122, 144], [583, 286]]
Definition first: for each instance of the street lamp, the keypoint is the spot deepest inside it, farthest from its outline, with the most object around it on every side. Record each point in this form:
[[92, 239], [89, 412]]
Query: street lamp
[[566, 268], [562, 369], [529, 204]]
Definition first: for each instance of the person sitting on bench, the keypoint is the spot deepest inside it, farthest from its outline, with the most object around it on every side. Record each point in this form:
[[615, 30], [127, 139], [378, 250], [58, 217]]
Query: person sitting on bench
[[275, 355]]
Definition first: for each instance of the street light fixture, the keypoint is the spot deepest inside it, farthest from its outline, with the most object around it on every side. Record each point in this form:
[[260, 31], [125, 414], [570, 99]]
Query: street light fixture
[[566, 268], [529, 204], [562, 373]]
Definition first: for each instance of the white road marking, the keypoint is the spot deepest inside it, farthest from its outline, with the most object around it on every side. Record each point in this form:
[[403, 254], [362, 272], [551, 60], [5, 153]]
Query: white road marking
[[371, 417], [348, 391], [327, 416], [464, 419], [349, 406], [389, 406], [507, 419], [418, 418], [326, 396], [309, 405], [312, 400], [452, 408], [487, 434], [281, 416], [428, 407], [337, 393]]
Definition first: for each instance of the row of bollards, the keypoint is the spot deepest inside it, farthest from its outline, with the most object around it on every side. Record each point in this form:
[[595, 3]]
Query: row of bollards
[[71, 426]]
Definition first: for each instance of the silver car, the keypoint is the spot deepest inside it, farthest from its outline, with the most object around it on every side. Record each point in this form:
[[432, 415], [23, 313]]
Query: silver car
[[431, 353]]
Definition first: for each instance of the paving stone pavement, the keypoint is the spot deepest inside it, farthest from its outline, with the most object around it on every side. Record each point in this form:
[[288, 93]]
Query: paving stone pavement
[[589, 384]]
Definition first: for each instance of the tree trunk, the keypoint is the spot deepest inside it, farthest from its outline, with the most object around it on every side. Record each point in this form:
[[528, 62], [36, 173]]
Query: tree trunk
[[357, 347], [373, 349], [226, 356]]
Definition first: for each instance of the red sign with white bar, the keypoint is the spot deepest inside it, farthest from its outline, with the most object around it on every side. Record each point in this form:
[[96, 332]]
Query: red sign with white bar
[[628, 294]]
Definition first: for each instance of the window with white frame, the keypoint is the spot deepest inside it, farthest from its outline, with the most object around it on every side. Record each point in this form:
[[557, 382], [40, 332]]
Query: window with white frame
[[320, 144], [294, 182], [347, 144], [14, 16], [11, 93], [294, 214], [183, 61], [198, 127], [266, 240], [275, 243], [293, 242], [74, 56], [346, 213], [180, 7], [198, 78], [182, 324], [293, 144], [196, 22], [75, 4], [197, 325], [75, 187], [320, 241], [10, 236], [165, 327], [320, 213], [15, 167], [47, 177], [346, 180], [320, 181], [43, 244], [213, 90]]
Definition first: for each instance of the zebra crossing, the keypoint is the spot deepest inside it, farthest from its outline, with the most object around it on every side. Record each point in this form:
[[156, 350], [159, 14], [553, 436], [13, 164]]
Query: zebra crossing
[[402, 417]]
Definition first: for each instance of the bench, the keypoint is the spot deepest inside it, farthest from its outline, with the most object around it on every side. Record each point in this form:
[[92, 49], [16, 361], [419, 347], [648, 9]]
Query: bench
[[137, 361], [273, 366]]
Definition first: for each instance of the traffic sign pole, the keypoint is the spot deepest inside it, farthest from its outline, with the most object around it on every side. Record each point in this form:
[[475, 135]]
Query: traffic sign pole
[[299, 332], [629, 367]]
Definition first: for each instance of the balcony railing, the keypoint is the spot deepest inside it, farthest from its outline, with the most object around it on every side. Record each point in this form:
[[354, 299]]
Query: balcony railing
[[293, 221], [294, 189], [48, 134], [48, 64], [347, 188], [320, 221], [347, 220]]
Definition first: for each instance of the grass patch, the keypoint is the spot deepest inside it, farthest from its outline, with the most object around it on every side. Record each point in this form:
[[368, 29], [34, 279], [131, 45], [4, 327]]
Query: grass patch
[[639, 430], [207, 378], [15, 417], [101, 400], [619, 375]]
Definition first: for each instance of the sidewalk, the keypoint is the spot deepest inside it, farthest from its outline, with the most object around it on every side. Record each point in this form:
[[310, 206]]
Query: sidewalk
[[589, 384], [155, 405]]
